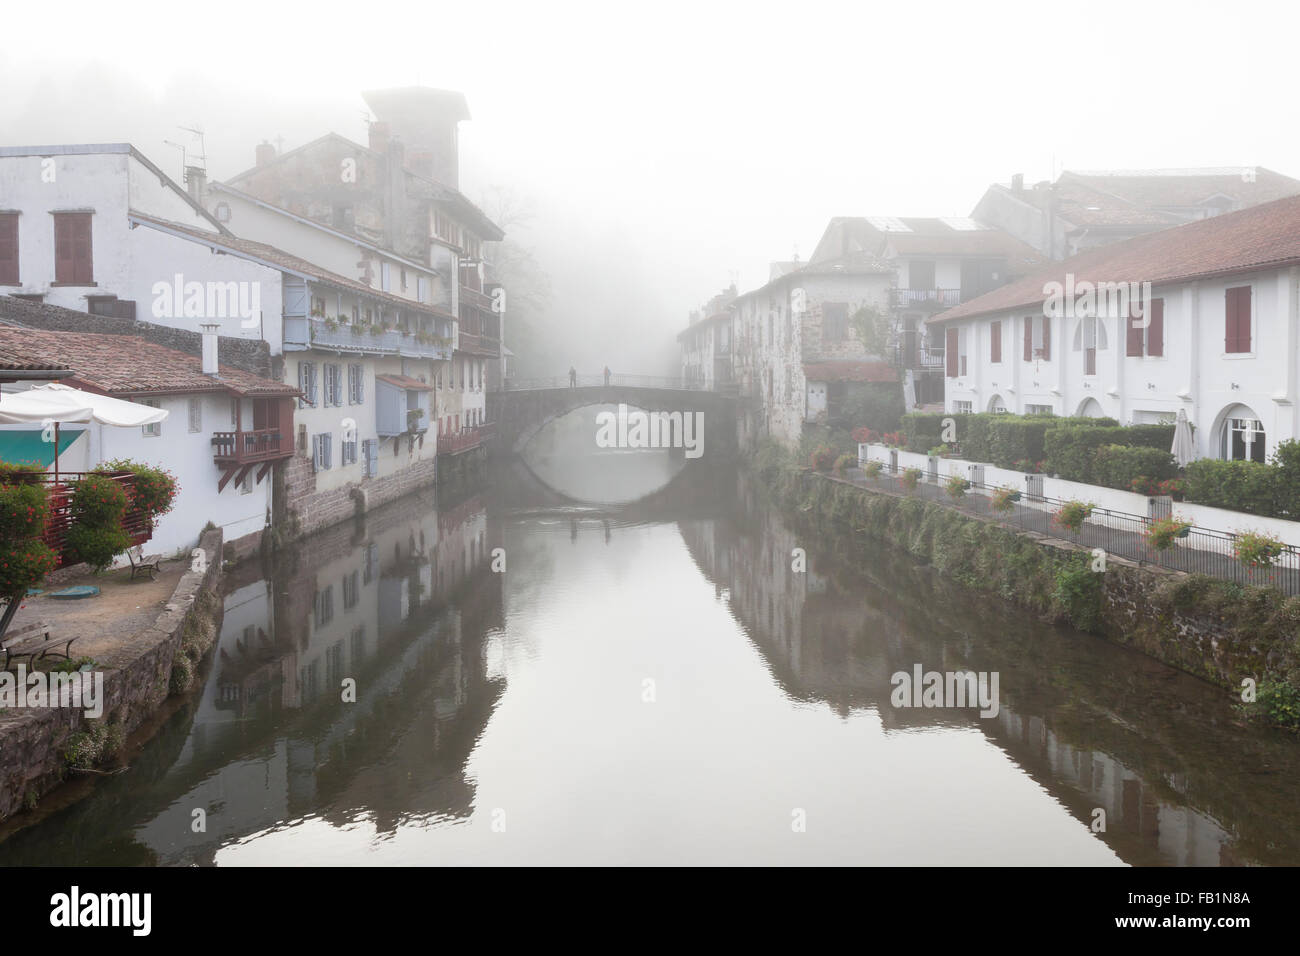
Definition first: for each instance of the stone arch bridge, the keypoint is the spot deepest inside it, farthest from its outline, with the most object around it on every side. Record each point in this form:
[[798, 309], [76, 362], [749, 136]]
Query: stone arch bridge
[[522, 410]]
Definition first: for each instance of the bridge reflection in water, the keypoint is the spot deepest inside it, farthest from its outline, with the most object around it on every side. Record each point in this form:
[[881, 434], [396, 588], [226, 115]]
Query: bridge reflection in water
[[522, 696]]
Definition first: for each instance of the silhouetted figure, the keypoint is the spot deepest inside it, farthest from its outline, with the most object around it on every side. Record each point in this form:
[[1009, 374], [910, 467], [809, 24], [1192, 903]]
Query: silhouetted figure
[[573, 377], [607, 376], [606, 524], [573, 529]]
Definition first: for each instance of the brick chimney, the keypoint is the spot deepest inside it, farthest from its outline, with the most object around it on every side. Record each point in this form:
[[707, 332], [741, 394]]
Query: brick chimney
[[265, 152], [379, 136]]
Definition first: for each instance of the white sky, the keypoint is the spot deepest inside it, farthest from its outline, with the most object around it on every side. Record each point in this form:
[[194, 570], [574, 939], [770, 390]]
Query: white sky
[[666, 145]]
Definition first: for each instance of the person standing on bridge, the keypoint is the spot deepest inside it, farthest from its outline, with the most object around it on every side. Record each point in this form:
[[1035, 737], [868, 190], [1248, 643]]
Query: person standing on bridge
[[607, 376], [573, 377]]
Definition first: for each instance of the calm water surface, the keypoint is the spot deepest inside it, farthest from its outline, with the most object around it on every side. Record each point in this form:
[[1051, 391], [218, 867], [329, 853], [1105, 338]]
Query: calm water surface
[[655, 685]]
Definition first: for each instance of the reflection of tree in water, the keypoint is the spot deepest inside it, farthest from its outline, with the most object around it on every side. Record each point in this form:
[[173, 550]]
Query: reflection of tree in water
[[1097, 725]]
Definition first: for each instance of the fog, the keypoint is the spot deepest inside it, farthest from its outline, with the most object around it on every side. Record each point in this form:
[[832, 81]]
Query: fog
[[658, 151]]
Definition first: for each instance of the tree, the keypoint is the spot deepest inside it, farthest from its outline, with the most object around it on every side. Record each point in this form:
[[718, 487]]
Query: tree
[[528, 288], [25, 558]]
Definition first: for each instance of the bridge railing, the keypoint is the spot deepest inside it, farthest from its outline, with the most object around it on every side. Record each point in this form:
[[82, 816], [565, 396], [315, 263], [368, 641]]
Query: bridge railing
[[615, 380]]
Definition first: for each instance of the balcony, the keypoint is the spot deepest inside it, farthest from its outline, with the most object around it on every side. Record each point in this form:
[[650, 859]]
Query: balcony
[[475, 298], [478, 345], [925, 298], [364, 340], [466, 439], [250, 447]]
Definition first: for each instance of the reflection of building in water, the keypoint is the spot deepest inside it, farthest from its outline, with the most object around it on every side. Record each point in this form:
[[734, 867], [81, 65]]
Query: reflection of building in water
[[840, 642], [400, 605]]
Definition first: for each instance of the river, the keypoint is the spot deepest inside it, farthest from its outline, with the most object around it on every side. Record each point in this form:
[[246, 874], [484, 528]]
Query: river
[[655, 684]]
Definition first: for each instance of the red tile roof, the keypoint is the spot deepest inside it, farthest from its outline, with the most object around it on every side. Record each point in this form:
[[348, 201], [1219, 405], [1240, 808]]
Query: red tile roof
[[126, 365], [404, 381], [15, 360], [866, 370], [1261, 237]]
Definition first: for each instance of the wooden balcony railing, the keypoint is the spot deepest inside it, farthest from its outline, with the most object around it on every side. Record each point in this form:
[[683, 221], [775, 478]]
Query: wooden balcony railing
[[250, 447], [61, 494]]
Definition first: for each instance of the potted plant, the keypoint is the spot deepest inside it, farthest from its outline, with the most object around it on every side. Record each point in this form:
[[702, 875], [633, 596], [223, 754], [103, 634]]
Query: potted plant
[[911, 478], [1162, 533], [844, 462], [1073, 514], [1004, 499], [414, 416], [956, 486], [872, 469], [1255, 549], [823, 458]]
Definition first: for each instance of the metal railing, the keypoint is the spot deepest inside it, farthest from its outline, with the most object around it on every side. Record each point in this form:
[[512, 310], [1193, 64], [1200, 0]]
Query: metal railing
[[464, 440], [936, 298], [1121, 534], [615, 380], [347, 337]]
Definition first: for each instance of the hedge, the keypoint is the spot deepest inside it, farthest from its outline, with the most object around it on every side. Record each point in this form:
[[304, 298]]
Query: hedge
[[1115, 466], [999, 438], [1248, 486], [1070, 450]]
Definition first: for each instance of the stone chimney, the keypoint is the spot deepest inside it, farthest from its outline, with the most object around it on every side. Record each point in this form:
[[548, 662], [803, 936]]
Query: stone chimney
[[209, 330], [1018, 182], [265, 152], [379, 136], [196, 181]]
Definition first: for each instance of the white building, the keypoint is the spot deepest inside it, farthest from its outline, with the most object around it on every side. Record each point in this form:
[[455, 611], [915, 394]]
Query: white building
[[1221, 337], [793, 345], [204, 412]]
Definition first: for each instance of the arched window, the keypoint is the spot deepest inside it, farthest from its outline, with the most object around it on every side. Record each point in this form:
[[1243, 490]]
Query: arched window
[[997, 405], [1091, 408], [1242, 436]]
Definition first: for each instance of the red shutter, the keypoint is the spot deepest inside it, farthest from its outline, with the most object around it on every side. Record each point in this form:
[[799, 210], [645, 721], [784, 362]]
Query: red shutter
[[1236, 335], [1156, 329], [1047, 339], [1134, 336], [72, 255], [9, 248], [950, 352], [1029, 338], [995, 342]]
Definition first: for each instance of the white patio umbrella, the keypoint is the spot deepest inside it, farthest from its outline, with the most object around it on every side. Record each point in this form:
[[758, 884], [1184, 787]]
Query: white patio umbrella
[[1184, 448], [55, 404]]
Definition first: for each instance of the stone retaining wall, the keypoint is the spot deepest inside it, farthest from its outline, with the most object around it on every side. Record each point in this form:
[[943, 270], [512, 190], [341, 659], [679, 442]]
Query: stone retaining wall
[[39, 747]]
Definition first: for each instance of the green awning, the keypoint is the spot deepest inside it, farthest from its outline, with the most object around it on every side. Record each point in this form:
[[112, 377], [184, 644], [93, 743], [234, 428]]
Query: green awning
[[27, 446]]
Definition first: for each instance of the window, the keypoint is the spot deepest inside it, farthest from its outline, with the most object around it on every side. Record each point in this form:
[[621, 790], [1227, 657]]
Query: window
[[9, 248], [995, 342], [403, 277], [1149, 340], [196, 415], [72, 253], [246, 485], [1089, 338], [234, 412], [1039, 410], [323, 606], [333, 384], [1243, 439], [322, 450], [356, 384], [951, 360], [422, 289], [963, 408], [920, 274], [318, 306], [835, 321], [1038, 338], [348, 450], [351, 589], [370, 461], [307, 384], [154, 430], [386, 276], [1236, 336]]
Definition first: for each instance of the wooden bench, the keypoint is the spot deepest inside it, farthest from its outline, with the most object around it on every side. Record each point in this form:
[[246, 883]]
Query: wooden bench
[[34, 641], [142, 563]]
